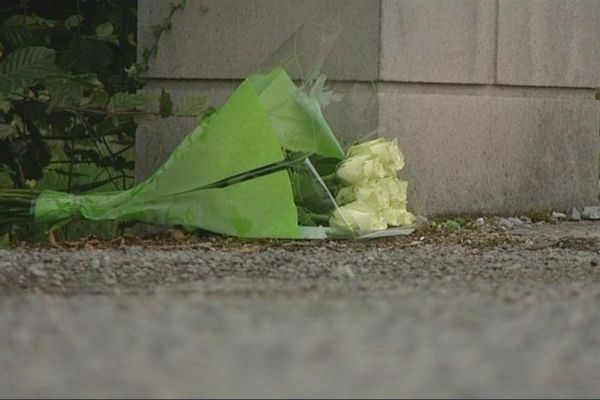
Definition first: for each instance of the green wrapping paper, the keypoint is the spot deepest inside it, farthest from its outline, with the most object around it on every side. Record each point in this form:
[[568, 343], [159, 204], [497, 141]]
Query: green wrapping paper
[[295, 116], [266, 115]]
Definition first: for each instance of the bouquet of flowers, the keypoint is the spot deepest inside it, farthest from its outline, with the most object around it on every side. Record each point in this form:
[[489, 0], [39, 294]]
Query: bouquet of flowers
[[266, 165]]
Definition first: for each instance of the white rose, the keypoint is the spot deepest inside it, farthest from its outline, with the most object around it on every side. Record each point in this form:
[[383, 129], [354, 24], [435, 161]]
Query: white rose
[[396, 190], [387, 152], [361, 169], [345, 195], [375, 195], [382, 193], [358, 217], [398, 216]]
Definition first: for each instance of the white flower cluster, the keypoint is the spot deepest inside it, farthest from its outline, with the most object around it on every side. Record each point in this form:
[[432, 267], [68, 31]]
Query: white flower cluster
[[374, 198]]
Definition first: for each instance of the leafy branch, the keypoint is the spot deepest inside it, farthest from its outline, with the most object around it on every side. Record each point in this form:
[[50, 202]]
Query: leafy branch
[[71, 92]]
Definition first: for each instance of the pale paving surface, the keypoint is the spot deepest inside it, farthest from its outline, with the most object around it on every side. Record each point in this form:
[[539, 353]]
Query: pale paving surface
[[329, 319]]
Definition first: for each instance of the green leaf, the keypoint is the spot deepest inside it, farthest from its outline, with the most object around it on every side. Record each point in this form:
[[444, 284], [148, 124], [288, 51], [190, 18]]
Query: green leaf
[[192, 105], [104, 30], [49, 23], [5, 106], [72, 21], [21, 31], [89, 79], [324, 165], [452, 225], [19, 20], [29, 64], [165, 104], [69, 89], [99, 98], [132, 71], [6, 131], [18, 123], [123, 101], [304, 217]]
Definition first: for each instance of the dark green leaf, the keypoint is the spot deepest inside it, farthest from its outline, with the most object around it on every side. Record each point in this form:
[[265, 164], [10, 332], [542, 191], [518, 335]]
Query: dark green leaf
[[99, 98], [73, 21], [89, 79], [304, 217], [5, 106], [6, 131], [324, 165], [21, 31], [29, 64], [166, 104], [104, 30], [40, 21], [64, 92], [7, 85]]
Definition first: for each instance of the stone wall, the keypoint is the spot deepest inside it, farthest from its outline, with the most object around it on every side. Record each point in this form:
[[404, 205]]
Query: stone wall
[[491, 100]]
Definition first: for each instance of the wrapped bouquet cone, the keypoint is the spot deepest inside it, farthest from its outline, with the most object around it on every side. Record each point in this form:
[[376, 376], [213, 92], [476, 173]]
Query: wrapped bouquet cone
[[236, 174], [202, 185]]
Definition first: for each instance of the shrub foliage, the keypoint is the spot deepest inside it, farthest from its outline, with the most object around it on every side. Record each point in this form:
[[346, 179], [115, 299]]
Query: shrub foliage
[[69, 92]]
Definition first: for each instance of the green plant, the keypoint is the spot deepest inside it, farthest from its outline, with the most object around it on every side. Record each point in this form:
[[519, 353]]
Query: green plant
[[69, 100]]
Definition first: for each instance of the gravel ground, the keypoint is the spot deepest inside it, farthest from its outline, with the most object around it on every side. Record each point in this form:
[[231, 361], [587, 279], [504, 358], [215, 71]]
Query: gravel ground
[[475, 314]]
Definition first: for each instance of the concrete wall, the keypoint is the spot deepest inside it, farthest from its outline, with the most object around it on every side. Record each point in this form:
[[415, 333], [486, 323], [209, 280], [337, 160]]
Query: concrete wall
[[492, 100]]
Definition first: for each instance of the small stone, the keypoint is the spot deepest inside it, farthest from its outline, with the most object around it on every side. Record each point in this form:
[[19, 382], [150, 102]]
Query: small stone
[[479, 222], [110, 281], [591, 213], [558, 216], [504, 222], [37, 272], [525, 219], [515, 221], [511, 223], [574, 215], [56, 282], [88, 247], [594, 263], [343, 272]]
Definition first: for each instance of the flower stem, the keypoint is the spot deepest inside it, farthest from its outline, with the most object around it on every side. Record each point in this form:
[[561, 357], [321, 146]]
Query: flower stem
[[319, 217], [331, 177]]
